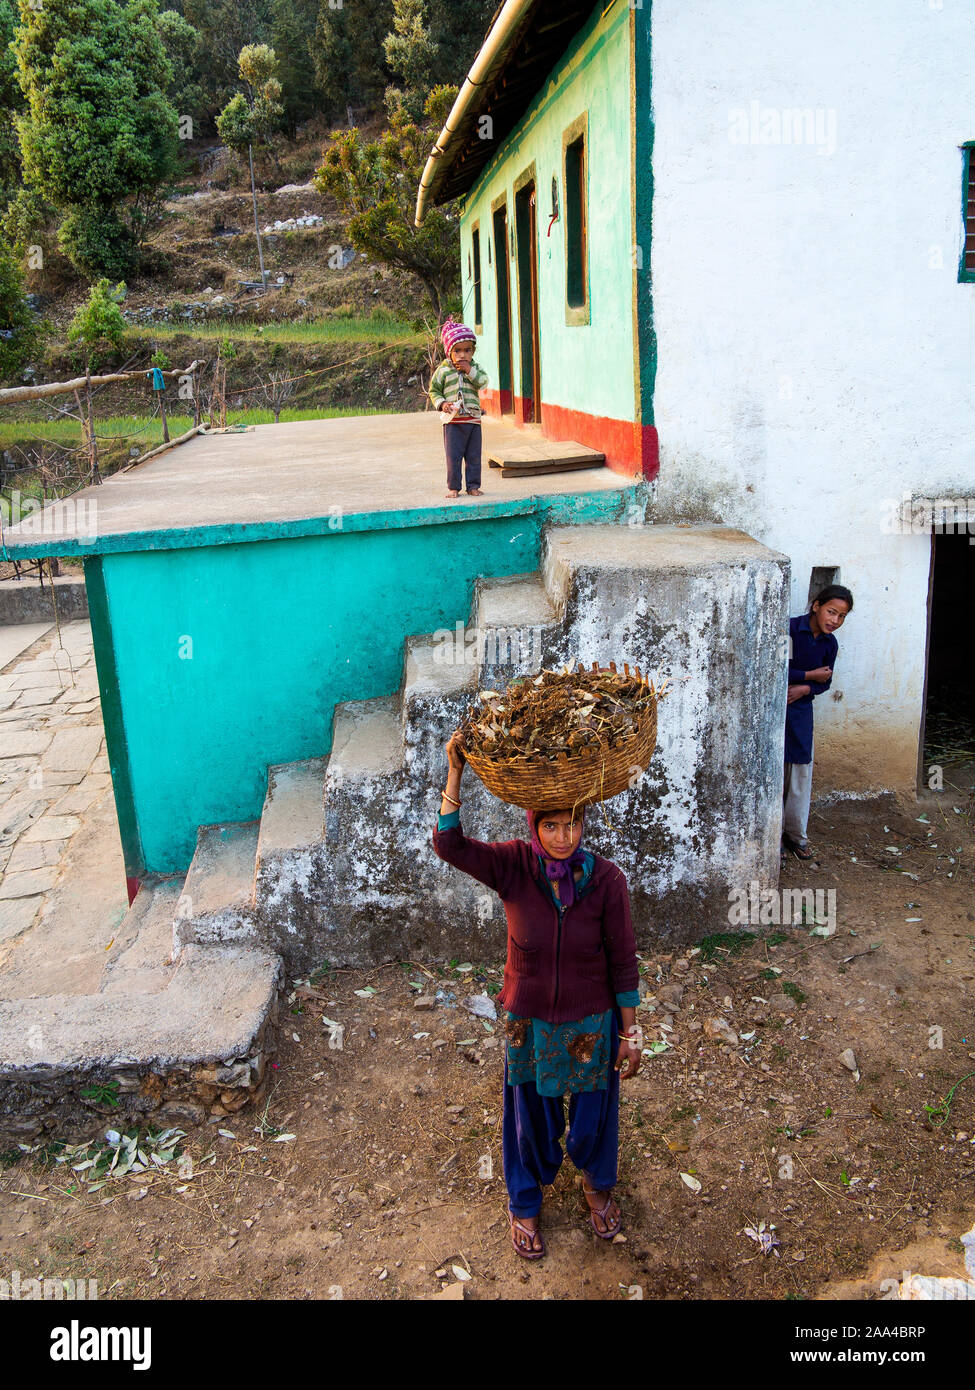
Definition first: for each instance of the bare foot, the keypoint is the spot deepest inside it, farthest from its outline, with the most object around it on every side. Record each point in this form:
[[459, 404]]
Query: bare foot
[[450, 493], [474, 492]]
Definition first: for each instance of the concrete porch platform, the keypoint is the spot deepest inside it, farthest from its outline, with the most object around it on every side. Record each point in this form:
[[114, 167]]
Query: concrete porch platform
[[304, 478], [90, 992]]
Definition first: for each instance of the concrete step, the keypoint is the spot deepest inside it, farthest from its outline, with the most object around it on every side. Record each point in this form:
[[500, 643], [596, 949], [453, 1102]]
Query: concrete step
[[212, 1008], [216, 904], [140, 959], [427, 674], [515, 601], [515, 621], [293, 816], [367, 742]]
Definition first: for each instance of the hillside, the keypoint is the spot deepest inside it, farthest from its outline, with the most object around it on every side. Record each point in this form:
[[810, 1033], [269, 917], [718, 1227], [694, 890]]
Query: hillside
[[347, 330]]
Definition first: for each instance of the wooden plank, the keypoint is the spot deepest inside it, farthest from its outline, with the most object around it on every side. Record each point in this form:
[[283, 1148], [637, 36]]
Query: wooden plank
[[527, 455], [560, 466]]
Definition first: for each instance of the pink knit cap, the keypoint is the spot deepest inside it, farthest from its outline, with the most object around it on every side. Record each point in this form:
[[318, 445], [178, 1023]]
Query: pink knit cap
[[453, 333]]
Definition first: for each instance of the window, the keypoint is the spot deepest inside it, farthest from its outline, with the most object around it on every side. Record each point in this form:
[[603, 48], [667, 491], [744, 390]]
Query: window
[[821, 578], [476, 237], [576, 223], [966, 269]]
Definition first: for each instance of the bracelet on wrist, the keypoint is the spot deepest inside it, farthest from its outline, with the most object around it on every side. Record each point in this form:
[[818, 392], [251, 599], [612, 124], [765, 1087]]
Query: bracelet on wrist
[[451, 799]]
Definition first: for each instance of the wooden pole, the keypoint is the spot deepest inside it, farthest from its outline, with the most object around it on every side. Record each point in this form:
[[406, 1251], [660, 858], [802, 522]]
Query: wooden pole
[[257, 228], [92, 441], [64, 388], [161, 448]]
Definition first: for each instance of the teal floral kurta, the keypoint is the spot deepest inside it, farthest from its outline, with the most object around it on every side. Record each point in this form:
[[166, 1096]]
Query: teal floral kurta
[[561, 1058]]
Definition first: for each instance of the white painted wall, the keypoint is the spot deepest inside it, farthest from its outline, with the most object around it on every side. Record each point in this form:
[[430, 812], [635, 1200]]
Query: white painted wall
[[816, 350]]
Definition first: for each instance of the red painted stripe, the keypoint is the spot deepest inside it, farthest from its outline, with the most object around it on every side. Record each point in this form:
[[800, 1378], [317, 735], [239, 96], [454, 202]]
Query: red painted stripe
[[630, 447], [132, 886]]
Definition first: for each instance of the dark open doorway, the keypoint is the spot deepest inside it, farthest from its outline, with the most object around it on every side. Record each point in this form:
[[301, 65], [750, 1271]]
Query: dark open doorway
[[529, 407], [503, 279], [948, 752]]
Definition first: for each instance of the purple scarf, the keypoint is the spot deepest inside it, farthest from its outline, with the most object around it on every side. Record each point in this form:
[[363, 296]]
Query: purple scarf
[[559, 871]]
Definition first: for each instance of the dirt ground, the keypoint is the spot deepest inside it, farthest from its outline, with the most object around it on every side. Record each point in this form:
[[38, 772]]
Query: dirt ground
[[390, 1180]]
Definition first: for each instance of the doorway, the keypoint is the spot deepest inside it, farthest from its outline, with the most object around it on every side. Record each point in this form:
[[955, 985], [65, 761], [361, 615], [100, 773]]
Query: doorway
[[503, 283], [526, 229], [948, 739]]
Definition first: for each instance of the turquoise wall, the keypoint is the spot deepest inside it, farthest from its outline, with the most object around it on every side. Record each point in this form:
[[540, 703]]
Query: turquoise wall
[[586, 367], [218, 660]]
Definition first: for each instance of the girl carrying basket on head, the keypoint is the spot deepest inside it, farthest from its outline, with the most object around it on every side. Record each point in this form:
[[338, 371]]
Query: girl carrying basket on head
[[571, 987]]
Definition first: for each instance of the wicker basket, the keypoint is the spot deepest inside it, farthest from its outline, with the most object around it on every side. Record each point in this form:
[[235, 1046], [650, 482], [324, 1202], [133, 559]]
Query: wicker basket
[[544, 784]]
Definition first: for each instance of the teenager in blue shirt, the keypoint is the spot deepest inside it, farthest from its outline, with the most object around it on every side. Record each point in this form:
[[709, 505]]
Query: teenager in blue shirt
[[811, 663]]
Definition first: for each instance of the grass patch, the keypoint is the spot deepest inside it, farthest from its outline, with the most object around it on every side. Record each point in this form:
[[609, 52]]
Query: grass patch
[[379, 329], [146, 431], [794, 992], [726, 943]]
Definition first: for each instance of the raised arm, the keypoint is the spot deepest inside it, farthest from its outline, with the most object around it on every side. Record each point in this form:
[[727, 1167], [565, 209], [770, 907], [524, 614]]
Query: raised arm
[[490, 864]]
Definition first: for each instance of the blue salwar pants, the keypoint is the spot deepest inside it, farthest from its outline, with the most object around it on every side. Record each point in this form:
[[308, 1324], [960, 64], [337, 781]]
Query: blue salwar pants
[[531, 1130]]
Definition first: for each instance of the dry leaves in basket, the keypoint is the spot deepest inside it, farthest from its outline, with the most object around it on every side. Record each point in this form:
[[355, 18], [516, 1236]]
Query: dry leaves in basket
[[568, 713]]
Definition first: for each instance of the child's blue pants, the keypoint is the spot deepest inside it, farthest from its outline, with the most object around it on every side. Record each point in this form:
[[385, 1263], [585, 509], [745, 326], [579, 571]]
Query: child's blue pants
[[532, 1127], [460, 442]]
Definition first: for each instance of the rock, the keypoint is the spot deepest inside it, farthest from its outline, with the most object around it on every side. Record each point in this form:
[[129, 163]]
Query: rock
[[681, 966], [719, 1030], [670, 995], [453, 1293], [181, 1113], [782, 1004], [848, 1059], [424, 1001]]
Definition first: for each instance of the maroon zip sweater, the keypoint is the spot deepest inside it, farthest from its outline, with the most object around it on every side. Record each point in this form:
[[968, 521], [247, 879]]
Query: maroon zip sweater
[[556, 971]]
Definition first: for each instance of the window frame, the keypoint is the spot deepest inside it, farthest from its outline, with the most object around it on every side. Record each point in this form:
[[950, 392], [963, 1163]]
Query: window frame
[[966, 274], [478, 285], [577, 133]]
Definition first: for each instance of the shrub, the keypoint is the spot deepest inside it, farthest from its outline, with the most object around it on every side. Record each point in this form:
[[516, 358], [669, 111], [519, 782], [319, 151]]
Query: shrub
[[99, 322]]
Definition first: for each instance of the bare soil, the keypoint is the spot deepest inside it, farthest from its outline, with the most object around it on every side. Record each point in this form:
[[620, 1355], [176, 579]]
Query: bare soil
[[394, 1170]]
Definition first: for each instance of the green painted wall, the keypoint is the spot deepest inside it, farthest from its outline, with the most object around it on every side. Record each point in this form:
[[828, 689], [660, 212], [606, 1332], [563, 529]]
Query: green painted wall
[[219, 660], [586, 367]]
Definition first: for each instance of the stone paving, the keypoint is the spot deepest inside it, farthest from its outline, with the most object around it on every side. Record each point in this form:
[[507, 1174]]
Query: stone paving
[[54, 779]]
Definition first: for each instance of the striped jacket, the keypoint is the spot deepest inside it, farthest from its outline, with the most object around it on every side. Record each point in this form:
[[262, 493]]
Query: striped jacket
[[448, 384]]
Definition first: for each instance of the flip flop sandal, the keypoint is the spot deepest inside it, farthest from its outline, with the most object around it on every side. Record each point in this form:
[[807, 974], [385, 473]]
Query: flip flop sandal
[[610, 1201], [525, 1253], [803, 852]]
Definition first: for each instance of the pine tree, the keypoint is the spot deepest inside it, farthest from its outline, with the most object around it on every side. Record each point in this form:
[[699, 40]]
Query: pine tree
[[432, 43], [293, 37], [224, 27], [350, 67]]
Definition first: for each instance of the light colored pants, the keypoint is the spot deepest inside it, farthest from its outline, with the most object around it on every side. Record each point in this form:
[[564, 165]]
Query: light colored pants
[[796, 795]]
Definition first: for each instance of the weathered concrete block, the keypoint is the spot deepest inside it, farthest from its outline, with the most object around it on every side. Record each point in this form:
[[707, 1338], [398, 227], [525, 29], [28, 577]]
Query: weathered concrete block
[[706, 606]]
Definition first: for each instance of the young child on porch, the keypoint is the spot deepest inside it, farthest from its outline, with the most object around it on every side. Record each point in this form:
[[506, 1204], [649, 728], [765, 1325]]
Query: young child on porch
[[454, 389]]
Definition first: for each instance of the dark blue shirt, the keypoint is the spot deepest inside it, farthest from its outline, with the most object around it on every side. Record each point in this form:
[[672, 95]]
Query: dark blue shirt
[[808, 653]]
